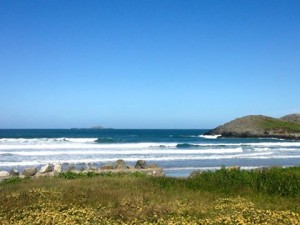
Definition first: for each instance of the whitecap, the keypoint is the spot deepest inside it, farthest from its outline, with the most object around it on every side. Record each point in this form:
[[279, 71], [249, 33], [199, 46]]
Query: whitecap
[[210, 136]]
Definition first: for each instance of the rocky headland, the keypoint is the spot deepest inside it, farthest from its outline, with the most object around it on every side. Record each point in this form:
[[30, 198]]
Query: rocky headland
[[259, 126]]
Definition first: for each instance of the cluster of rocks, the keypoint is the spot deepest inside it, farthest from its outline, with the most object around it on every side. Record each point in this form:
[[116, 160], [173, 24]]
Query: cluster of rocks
[[46, 170], [53, 169], [121, 166]]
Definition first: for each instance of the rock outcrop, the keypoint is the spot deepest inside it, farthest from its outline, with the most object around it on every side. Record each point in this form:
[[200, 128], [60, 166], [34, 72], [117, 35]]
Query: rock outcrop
[[57, 168], [141, 164], [260, 126], [47, 168], [29, 172], [120, 165], [107, 166], [14, 173], [4, 175]]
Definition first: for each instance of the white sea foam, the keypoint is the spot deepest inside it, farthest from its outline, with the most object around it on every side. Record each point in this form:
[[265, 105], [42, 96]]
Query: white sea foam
[[124, 152], [89, 143], [80, 145], [45, 140], [263, 149], [48, 146], [133, 158], [87, 150], [274, 144], [210, 136], [216, 168], [23, 163], [193, 168], [81, 140]]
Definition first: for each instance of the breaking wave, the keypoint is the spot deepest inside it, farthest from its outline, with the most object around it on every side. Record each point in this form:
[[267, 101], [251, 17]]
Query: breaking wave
[[210, 136]]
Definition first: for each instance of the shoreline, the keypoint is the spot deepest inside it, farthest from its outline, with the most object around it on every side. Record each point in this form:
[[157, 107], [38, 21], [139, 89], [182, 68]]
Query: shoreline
[[55, 169]]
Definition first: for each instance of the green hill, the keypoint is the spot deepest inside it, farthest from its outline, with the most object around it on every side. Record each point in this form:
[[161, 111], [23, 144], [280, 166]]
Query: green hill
[[261, 126]]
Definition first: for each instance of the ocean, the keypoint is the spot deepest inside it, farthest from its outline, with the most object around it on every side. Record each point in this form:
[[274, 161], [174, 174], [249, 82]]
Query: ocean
[[178, 152]]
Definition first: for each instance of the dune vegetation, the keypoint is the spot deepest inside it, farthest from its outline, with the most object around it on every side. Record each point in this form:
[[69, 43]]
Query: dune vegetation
[[266, 196]]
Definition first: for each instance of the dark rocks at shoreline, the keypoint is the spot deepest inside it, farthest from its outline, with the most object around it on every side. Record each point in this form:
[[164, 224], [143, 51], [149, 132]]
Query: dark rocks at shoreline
[[141, 164], [14, 172], [4, 175], [107, 166], [120, 165], [29, 172], [47, 168], [258, 126], [53, 169]]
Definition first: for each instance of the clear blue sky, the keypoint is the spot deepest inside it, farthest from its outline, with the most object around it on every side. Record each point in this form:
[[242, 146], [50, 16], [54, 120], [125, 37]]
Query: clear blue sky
[[147, 64]]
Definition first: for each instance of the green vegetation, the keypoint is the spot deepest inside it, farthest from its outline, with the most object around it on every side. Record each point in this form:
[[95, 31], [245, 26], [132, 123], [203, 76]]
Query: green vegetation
[[69, 175], [266, 196], [270, 123], [272, 181]]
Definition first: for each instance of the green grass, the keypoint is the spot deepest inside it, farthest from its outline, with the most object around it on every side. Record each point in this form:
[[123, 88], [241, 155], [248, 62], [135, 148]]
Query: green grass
[[78, 198], [273, 181], [279, 124], [69, 175]]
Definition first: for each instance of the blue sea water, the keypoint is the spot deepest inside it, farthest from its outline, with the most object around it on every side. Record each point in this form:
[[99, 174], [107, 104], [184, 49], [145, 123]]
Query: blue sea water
[[179, 152]]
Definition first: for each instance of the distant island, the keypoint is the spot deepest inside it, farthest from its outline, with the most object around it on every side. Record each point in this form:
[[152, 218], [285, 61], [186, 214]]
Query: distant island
[[259, 126], [96, 128]]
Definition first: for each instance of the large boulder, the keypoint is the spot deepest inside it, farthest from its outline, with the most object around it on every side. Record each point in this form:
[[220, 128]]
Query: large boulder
[[14, 172], [91, 168], [57, 168], [29, 172], [120, 165], [141, 164], [47, 168], [107, 166], [4, 175]]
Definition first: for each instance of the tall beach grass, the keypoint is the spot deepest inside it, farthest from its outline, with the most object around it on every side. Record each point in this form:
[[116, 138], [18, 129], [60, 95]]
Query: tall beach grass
[[266, 196]]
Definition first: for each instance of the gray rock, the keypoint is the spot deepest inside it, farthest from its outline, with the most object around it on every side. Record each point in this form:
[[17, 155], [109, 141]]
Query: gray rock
[[120, 165], [4, 175], [107, 166], [29, 172], [47, 168], [91, 168], [71, 168], [14, 172], [141, 164], [195, 173], [57, 168]]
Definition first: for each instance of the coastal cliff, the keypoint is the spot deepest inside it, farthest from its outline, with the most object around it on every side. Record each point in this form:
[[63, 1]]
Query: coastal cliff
[[287, 127]]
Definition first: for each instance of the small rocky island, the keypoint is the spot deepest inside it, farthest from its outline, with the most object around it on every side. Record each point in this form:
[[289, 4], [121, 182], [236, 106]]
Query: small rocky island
[[258, 126]]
